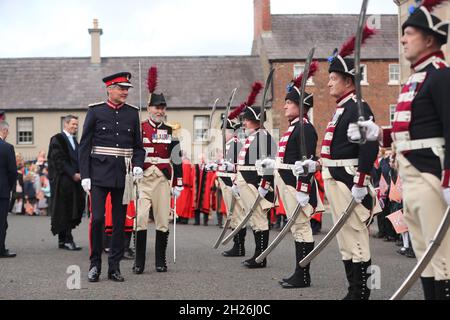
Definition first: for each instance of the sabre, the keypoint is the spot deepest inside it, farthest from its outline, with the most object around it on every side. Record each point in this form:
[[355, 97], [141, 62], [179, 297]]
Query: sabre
[[224, 151], [358, 71], [225, 120], [244, 221], [211, 117], [227, 223], [426, 258], [301, 93], [262, 117], [325, 241]]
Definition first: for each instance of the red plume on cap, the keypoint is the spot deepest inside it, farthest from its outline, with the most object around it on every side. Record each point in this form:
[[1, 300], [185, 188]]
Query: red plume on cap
[[312, 71], [152, 80], [431, 4], [256, 89], [349, 47]]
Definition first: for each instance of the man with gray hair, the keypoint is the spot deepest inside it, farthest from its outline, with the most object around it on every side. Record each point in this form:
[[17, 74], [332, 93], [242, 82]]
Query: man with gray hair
[[8, 177], [67, 204]]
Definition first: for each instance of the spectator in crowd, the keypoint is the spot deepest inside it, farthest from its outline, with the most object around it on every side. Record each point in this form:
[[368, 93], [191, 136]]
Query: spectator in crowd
[[68, 198], [8, 177]]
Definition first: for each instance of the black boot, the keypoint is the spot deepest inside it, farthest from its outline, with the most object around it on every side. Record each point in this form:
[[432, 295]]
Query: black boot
[[205, 219], [238, 249], [160, 250], [196, 217], [261, 243], [219, 219], [141, 246], [128, 253], [301, 277], [428, 288], [360, 276], [442, 289], [348, 264]]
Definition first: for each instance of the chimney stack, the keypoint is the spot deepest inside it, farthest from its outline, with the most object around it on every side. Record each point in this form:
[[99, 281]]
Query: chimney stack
[[263, 19], [95, 33]]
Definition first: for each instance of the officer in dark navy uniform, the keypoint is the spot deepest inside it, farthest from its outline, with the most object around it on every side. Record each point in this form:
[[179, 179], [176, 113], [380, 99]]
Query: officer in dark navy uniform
[[111, 143]]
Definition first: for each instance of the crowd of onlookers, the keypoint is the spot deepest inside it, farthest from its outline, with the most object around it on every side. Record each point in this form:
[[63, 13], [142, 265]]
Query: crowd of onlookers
[[31, 196], [390, 221]]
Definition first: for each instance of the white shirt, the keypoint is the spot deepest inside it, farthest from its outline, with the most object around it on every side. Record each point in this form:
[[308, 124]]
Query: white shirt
[[70, 137]]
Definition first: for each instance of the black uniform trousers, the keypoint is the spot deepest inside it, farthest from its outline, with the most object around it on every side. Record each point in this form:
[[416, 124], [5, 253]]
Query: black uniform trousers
[[98, 198], [4, 206]]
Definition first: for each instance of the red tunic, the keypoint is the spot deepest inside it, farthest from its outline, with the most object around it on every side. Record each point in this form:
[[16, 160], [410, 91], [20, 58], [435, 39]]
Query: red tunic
[[186, 199]]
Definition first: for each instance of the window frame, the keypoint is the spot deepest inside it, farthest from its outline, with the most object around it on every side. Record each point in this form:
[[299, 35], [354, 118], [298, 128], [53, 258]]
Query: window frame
[[393, 82], [197, 138], [21, 143]]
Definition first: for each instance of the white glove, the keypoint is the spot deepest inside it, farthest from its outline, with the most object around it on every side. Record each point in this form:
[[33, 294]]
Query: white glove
[[262, 192], [446, 192], [302, 198], [176, 191], [235, 190], [212, 166], [138, 172], [265, 167], [86, 184], [299, 169], [268, 164], [227, 167], [359, 193], [372, 130]]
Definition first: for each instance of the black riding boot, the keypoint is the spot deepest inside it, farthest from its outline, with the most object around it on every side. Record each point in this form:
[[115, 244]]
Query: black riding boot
[[160, 250], [442, 288], [238, 249], [196, 217], [205, 219], [141, 246], [428, 285], [348, 264], [360, 276], [261, 243], [301, 277]]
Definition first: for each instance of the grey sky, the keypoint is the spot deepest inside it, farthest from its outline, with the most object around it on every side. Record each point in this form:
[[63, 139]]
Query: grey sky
[[56, 28]]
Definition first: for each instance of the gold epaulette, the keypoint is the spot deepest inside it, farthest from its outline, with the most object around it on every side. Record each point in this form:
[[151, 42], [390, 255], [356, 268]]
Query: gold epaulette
[[96, 104]]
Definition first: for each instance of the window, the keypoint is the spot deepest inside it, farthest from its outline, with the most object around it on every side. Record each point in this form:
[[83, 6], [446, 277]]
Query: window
[[298, 69], [394, 74], [311, 115], [24, 131], [200, 128], [364, 71], [392, 108]]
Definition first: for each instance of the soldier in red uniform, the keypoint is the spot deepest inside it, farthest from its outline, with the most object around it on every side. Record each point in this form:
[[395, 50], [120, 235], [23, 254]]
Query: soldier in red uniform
[[162, 174]]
